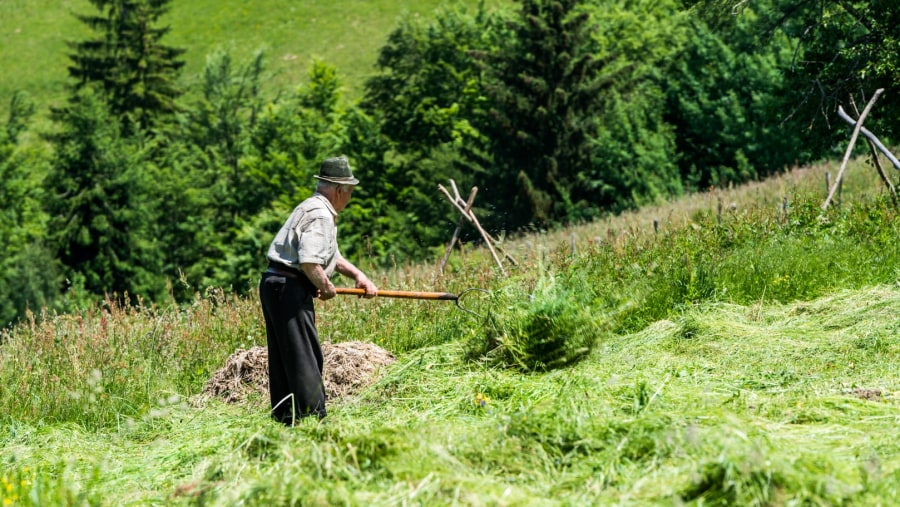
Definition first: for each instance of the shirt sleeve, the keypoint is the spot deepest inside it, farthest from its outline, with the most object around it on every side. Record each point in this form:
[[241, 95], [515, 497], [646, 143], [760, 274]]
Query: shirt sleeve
[[316, 245]]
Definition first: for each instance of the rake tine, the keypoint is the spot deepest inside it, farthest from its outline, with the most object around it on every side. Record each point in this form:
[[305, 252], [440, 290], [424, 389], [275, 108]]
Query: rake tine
[[463, 293]]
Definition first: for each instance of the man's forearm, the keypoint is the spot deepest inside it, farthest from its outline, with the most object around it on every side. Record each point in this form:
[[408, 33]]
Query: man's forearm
[[316, 275], [346, 268]]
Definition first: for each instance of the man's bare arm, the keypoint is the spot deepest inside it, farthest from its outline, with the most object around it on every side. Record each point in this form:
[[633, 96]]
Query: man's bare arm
[[316, 275], [347, 268]]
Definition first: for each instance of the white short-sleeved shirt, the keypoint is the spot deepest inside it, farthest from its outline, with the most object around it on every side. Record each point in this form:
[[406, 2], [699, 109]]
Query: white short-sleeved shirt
[[308, 236]]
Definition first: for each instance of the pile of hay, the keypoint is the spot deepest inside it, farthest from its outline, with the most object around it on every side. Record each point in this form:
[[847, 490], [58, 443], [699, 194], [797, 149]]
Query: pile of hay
[[348, 368]]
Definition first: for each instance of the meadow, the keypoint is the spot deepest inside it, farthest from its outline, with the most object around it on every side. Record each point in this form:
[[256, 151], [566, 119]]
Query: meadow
[[732, 347], [747, 357], [346, 34]]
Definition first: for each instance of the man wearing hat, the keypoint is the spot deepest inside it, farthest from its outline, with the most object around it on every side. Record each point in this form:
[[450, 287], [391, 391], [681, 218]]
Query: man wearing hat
[[302, 258]]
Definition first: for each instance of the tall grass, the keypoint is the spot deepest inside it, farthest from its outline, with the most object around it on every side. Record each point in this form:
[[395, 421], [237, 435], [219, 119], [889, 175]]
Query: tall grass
[[748, 257], [113, 364], [747, 359]]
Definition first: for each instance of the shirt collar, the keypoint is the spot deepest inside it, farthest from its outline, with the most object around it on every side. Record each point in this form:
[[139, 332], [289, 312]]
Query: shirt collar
[[327, 203]]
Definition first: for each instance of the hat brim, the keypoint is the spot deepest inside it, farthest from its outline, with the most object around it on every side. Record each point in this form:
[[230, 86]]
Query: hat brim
[[339, 181]]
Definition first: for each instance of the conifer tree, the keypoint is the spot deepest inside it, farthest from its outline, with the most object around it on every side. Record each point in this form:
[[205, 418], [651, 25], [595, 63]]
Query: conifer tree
[[127, 60], [546, 95], [101, 206]]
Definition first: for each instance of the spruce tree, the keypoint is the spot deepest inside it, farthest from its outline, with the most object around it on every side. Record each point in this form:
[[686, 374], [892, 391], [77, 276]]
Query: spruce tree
[[101, 209], [103, 206], [126, 59], [545, 90]]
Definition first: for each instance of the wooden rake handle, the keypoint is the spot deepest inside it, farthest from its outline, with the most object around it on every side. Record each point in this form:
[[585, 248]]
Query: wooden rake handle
[[400, 294]]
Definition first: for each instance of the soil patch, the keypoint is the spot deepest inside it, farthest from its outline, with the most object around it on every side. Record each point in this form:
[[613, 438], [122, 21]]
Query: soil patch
[[867, 394], [349, 367]]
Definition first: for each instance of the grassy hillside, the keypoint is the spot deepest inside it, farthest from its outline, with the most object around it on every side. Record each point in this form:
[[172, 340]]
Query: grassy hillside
[[760, 405], [344, 33], [779, 386]]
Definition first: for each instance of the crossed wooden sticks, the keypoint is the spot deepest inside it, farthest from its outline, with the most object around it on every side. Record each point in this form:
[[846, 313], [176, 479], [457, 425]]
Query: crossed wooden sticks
[[465, 208], [873, 144]]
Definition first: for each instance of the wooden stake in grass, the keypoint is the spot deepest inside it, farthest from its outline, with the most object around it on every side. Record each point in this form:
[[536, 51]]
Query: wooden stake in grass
[[459, 225]]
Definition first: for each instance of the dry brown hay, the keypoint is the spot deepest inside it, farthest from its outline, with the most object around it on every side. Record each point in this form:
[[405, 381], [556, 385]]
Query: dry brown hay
[[348, 368]]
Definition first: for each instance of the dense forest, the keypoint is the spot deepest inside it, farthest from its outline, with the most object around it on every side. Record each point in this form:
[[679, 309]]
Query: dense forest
[[560, 111]]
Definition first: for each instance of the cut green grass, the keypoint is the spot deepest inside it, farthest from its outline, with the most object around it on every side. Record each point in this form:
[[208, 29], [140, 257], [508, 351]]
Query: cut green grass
[[757, 406], [745, 396]]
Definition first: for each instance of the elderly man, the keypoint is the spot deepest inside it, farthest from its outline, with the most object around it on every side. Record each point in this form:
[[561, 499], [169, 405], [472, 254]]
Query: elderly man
[[302, 258]]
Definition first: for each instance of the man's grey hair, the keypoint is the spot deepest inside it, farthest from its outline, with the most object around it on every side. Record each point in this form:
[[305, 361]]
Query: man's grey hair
[[322, 185]]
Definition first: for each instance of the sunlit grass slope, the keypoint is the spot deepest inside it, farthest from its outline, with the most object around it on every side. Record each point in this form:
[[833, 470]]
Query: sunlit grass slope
[[346, 34], [724, 405]]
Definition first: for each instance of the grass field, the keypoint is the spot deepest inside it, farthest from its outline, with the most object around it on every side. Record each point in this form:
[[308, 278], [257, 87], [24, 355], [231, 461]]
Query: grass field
[[766, 405], [744, 345], [346, 34], [750, 396]]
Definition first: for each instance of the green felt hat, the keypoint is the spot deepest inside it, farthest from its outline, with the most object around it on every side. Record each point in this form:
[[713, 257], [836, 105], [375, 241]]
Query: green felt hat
[[337, 170]]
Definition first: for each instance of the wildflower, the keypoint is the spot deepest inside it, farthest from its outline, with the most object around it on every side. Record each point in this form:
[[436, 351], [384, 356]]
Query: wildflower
[[481, 400]]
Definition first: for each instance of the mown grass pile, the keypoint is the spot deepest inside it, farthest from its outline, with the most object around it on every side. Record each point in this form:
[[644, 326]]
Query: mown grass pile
[[548, 327], [744, 360]]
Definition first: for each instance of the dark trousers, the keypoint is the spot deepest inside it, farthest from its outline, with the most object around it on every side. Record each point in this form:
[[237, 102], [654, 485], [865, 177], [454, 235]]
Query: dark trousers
[[295, 356]]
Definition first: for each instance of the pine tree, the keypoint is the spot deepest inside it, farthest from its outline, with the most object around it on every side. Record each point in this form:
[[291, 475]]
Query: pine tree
[[126, 59], [100, 204], [546, 94]]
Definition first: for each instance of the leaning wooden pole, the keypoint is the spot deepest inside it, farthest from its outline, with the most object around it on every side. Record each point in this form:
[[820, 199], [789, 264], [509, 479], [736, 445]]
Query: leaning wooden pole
[[456, 232], [496, 243], [874, 146], [871, 137], [471, 218], [856, 129]]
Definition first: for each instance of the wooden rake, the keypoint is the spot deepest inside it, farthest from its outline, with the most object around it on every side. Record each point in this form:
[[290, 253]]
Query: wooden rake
[[403, 294]]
